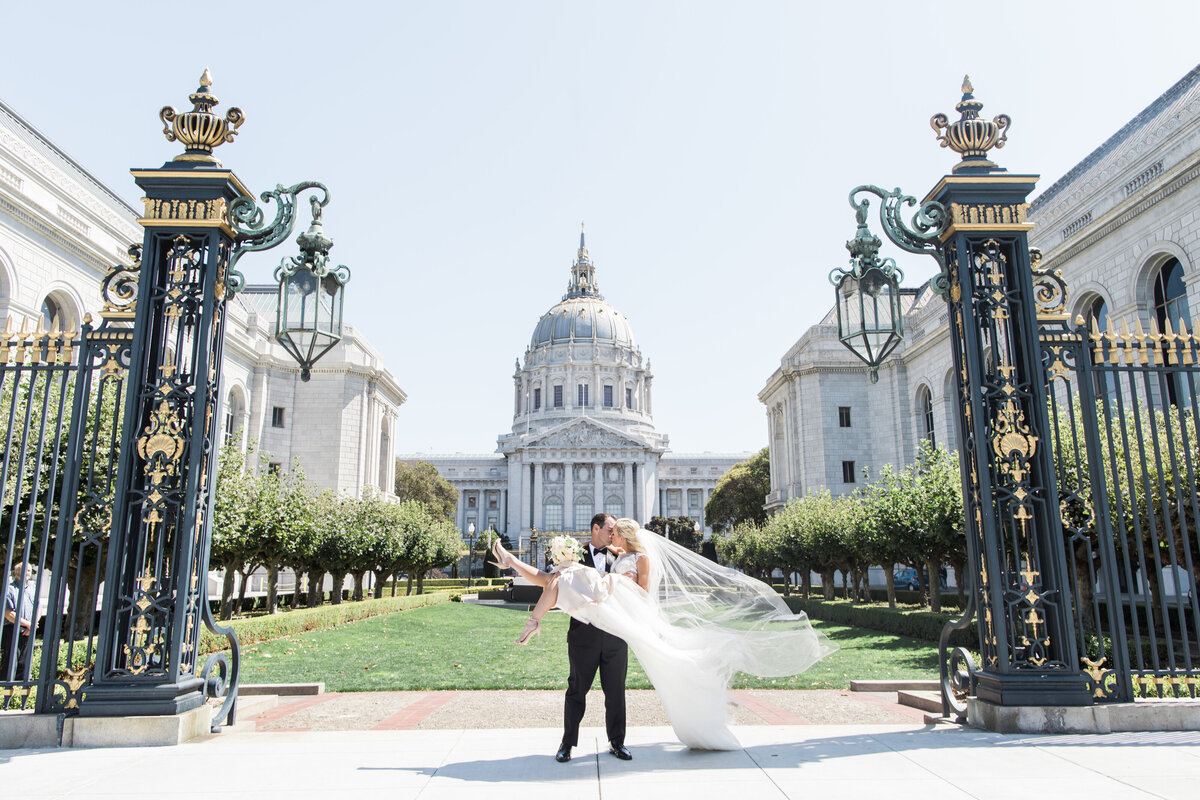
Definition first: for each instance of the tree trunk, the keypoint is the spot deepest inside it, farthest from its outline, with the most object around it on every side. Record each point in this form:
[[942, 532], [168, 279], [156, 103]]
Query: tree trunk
[[358, 586], [272, 588], [241, 601], [316, 589], [335, 595], [827, 586], [395, 582], [935, 588], [380, 580], [891, 587], [421, 582], [408, 588], [806, 583], [227, 592]]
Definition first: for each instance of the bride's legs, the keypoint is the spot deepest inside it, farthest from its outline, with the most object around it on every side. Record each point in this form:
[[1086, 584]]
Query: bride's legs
[[526, 571], [547, 600], [533, 625]]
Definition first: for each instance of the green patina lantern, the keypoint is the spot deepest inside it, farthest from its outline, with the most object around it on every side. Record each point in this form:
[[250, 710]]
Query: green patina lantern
[[309, 322], [870, 319]]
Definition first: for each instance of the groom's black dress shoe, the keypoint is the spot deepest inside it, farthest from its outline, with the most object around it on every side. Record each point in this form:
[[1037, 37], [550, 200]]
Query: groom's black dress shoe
[[621, 752], [564, 754]]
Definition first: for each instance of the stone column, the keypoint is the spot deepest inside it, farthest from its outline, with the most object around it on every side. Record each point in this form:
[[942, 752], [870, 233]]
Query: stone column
[[630, 511], [568, 495], [538, 504], [598, 504]]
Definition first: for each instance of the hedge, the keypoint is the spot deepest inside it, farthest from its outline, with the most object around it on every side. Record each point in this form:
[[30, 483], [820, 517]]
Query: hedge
[[302, 620], [917, 623]]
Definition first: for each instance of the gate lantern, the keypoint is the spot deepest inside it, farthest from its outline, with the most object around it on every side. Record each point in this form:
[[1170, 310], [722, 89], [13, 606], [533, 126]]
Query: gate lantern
[[870, 320], [309, 321]]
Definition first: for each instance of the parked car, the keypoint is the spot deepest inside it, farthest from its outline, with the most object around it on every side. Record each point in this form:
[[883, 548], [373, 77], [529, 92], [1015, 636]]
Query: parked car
[[907, 579]]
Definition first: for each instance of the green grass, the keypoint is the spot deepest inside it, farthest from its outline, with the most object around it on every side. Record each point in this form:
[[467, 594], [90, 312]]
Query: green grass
[[462, 646]]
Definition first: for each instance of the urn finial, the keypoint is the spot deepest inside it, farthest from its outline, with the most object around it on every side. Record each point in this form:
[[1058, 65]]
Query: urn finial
[[970, 136], [200, 130]]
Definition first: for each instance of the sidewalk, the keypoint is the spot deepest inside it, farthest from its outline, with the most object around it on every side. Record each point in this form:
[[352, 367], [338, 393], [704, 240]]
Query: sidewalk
[[777, 761]]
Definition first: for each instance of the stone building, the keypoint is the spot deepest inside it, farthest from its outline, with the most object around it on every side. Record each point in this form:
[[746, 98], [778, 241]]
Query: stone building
[[1122, 227], [583, 438], [60, 232]]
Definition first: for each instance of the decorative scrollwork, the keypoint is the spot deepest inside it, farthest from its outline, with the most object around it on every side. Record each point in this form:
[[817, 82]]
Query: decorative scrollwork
[[119, 287], [1049, 290], [1013, 442], [921, 235], [957, 667], [247, 220]]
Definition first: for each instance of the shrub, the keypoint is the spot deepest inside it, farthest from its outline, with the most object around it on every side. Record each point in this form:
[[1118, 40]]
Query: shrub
[[274, 626]]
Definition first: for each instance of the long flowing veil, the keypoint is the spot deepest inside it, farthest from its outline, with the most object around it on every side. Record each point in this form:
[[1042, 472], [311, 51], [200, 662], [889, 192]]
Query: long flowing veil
[[739, 622]]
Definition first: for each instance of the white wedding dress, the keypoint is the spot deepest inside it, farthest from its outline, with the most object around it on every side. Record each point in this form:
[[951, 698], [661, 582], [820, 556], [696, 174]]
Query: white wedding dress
[[698, 625]]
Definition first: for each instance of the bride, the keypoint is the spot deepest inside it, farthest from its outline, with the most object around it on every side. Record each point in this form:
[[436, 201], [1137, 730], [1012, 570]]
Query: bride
[[691, 623]]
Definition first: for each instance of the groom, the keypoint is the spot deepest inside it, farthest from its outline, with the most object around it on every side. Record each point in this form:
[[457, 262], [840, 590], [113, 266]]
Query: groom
[[590, 649]]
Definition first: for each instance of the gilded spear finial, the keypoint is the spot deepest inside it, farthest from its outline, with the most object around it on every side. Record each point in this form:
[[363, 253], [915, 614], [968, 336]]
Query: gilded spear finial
[[970, 136], [200, 130]]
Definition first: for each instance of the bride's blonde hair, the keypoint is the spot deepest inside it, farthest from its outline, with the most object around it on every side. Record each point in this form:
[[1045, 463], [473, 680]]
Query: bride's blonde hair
[[628, 528]]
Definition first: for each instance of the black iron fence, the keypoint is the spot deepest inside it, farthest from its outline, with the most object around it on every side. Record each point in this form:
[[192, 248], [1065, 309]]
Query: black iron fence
[[60, 397], [1125, 411]]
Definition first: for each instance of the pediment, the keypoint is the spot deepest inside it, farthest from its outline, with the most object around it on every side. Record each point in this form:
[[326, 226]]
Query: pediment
[[583, 434]]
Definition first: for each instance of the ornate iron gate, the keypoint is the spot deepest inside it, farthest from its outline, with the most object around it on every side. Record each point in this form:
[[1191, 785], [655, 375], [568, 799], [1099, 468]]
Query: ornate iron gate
[[61, 394], [1125, 413]]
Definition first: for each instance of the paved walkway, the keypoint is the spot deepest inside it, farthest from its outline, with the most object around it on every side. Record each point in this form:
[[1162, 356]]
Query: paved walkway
[[452, 710], [777, 761]]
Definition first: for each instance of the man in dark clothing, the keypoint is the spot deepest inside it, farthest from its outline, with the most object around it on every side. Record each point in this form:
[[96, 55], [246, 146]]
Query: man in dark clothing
[[590, 649], [15, 648]]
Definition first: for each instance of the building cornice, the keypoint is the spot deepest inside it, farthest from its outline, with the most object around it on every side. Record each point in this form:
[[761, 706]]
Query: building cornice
[[1122, 215]]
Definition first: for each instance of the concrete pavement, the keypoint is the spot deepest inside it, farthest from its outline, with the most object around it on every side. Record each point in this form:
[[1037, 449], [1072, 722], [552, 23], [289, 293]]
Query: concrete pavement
[[777, 761]]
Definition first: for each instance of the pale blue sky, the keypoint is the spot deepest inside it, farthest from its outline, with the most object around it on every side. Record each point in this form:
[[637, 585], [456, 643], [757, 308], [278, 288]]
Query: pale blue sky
[[709, 146]]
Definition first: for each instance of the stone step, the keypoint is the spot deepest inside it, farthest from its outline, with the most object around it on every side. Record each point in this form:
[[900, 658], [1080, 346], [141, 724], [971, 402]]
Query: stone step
[[895, 686], [925, 701], [280, 689]]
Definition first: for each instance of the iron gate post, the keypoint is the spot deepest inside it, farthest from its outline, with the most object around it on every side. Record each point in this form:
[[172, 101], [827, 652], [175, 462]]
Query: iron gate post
[[154, 579], [1010, 497]]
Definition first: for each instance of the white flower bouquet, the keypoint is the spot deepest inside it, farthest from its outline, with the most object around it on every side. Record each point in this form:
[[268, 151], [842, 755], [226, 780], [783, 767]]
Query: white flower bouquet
[[564, 549]]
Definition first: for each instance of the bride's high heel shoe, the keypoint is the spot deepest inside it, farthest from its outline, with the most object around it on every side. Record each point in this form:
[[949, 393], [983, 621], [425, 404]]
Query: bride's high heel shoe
[[533, 627], [501, 555]]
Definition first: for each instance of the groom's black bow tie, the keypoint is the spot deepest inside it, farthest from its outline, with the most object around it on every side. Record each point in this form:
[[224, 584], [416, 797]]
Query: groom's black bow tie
[[599, 551]]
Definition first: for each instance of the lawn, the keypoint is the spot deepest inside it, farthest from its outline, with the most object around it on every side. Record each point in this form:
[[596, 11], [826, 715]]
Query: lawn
[[463, 646]]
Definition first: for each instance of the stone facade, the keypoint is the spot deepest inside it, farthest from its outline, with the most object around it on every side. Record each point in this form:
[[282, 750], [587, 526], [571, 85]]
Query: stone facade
[[1122, 226], [60, 232], [583, 437]]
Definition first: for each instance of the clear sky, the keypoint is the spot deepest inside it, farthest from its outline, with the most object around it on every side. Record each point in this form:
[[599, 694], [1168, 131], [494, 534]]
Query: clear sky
[[709, 147]]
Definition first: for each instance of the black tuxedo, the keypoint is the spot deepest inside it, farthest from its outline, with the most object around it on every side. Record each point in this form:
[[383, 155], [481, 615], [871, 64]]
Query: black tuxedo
[[590, 649]]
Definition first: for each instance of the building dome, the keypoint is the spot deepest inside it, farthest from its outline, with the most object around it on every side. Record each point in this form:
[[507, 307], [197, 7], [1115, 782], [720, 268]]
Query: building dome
[[583, 316]]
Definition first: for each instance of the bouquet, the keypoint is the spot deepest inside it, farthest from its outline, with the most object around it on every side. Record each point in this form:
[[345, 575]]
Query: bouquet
[[564, 549]]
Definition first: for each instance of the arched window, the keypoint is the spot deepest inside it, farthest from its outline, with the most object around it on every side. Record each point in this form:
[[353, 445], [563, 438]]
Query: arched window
[[615, 506], [51, 314], [583, 511], [1095, 317], [1170, 303], [552, 516], [925, 412]]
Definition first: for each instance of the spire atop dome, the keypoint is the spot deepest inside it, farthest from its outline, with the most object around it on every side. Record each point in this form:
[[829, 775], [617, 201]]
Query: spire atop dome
[[583, 273]]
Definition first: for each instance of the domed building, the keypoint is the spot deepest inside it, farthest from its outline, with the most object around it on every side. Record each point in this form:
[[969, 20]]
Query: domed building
[[583, 437]]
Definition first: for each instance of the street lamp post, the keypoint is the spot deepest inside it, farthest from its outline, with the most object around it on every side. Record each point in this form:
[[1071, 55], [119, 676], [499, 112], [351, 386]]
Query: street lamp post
[[533, 540], [698, 532], [470, 552]]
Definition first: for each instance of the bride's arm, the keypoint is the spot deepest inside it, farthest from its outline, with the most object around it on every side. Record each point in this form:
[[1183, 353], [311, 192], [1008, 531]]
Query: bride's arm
[[643, 571]]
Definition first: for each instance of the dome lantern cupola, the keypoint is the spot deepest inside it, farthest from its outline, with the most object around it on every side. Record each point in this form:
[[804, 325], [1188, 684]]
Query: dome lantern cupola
[[583, 273]]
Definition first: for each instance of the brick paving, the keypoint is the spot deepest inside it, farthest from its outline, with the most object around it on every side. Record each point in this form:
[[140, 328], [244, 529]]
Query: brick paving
[[458, 710]]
